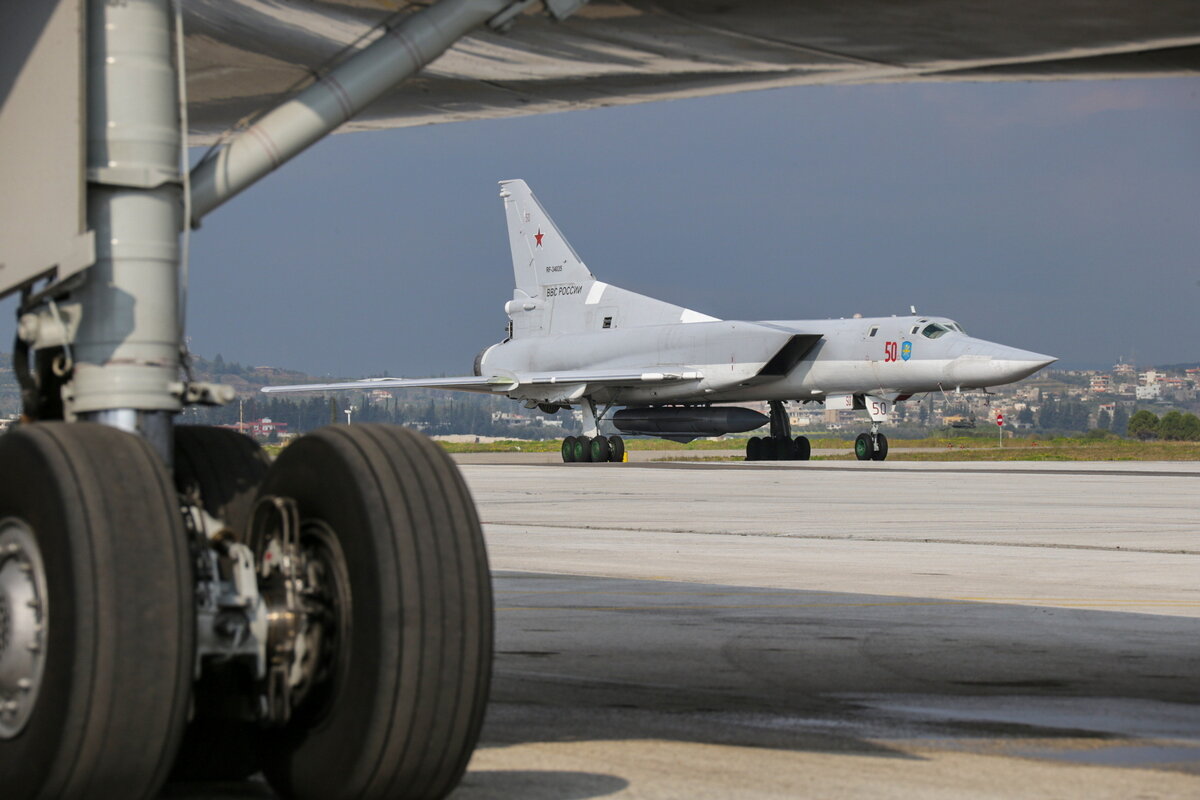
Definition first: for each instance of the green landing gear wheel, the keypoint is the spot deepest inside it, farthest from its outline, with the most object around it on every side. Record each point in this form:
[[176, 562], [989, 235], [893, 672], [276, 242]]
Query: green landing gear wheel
[[863, 450], [599, 450]]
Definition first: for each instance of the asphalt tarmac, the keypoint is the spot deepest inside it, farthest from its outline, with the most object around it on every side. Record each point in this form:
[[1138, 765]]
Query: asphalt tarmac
[[842, 630]]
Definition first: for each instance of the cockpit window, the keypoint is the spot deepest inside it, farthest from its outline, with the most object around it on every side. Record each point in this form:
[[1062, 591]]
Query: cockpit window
[[935, 329]]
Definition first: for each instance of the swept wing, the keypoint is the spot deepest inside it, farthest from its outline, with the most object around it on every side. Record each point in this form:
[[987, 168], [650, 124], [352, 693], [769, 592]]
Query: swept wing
[[501, 383]]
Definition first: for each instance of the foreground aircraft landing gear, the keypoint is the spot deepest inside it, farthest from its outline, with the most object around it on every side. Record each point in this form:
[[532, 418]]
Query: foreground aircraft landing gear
[[381, 658], [219, 470], [98, 628], [594, 449]]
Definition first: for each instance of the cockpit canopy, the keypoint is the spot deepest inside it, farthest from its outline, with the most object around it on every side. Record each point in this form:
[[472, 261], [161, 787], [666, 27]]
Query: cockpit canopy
[[935, 329]]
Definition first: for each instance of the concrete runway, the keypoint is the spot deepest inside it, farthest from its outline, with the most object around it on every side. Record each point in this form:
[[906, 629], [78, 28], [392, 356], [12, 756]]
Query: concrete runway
[[842, 630]]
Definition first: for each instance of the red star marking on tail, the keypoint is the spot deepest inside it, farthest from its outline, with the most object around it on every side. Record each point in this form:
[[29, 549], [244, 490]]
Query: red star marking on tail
[[539, 236]]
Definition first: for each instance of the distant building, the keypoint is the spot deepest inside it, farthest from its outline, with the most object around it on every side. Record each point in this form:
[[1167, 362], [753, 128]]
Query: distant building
[[263, 428], [1150, 377], [1151, 391], [1126, 371], [1101, 384]]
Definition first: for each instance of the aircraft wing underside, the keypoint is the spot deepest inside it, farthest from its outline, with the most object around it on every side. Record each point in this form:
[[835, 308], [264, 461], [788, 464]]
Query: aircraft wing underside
[[241, 53], [502, 383]]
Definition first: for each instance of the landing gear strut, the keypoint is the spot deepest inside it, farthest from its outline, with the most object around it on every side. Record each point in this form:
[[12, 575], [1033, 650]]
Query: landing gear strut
[[779, 446]]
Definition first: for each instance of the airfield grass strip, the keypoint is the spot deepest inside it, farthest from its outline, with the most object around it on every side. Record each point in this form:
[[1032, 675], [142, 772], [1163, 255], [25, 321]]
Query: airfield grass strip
[[959, 448]]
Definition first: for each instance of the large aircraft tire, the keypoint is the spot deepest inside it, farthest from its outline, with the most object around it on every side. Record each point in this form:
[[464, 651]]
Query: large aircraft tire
[[599, 449], [400, 711], [219, 469], [863, 448], [616, 448], [783, 449], [568, 449], [881, 448], [92, 535], [754, 448], [580, 449], [801, 449]]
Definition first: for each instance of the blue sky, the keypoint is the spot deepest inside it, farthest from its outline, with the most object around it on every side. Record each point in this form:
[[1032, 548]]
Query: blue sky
[[1059, 217]]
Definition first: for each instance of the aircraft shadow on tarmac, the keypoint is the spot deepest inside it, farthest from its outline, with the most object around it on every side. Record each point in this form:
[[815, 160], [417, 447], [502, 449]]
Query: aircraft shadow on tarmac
[[585, 658], [589, 659]]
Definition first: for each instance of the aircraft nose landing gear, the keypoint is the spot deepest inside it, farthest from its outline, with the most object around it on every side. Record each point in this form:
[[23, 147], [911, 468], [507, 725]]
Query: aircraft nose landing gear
[[871, 446]]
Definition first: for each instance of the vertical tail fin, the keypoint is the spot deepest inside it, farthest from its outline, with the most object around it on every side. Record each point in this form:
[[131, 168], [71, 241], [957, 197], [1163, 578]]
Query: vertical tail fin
[[555, 292], [541, 255]]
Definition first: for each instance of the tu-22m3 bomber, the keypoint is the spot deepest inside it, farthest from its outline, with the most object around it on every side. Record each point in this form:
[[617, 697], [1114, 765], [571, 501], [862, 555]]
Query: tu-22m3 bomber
[[658, 369]]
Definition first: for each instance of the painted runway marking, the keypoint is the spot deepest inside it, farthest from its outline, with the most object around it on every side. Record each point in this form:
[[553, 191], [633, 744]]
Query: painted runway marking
[[850, 538]]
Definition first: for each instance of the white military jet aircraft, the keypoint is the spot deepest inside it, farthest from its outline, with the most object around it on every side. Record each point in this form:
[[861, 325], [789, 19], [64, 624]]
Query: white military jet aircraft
[[574, 340]]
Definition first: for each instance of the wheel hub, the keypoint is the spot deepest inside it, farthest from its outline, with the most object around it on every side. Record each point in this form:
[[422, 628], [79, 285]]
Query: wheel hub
[[23, 625], [306, 590]]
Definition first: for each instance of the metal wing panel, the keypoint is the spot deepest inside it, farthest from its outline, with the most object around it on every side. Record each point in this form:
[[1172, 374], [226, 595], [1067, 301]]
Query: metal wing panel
[[241, 52], [608, 377], [497, 383], [464, 384]]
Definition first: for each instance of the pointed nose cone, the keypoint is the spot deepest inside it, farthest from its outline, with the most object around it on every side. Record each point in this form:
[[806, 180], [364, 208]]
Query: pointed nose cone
[[985, 364], [1021, 364]]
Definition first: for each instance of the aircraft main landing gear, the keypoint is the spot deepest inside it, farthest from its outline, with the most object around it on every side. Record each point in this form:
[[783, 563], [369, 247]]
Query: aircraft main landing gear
[[779, 446], [593, 449]]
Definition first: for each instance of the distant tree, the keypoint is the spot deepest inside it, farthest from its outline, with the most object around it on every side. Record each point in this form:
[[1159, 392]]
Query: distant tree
[[1191, 428], [333, 409], [1048, 416], [1120, 420], [1025, 416], [1143, 425], [1176, 426], [1103, 420], [1074, 416]]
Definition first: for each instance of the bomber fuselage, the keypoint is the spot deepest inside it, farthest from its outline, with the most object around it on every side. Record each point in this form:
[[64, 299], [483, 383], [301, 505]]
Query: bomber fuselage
[[881, 355]]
